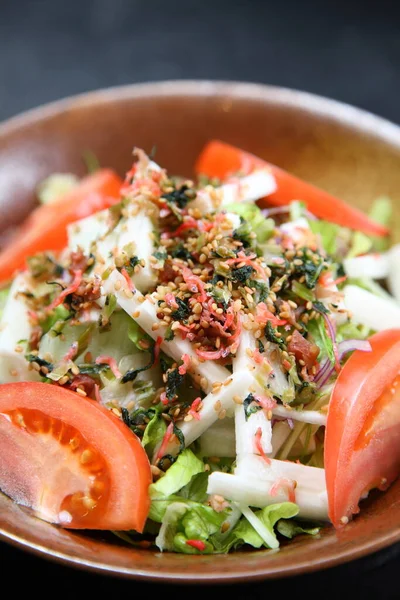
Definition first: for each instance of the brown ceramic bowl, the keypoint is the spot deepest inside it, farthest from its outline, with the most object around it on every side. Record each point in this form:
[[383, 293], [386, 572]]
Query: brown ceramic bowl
[[349, 152]]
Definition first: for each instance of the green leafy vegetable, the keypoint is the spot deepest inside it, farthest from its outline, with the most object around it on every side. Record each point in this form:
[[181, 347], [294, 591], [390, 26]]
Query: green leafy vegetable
[[328, 233], [154, 433], [317, 330], [261, 226], [291, 528], [245, 533]]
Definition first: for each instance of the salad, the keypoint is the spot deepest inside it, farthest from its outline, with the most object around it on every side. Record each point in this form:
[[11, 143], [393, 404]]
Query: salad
[[199, 366]]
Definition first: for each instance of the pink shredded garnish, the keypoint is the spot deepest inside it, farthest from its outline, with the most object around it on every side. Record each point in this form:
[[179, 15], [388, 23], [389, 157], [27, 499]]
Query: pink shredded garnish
[[195, 284], [72, 352], [265, 402], [97, 392], [186, 364], [287, 485], [128, 280], [212, 354], [290, 423], [247, 259], [194, 409], [188, 223], [263, 315], [67, 291], [163, 398], [258, 357], [165, 441], [198, 544], [170, 300], [138, 184], [258, 446], [33, 315], [111, 362]]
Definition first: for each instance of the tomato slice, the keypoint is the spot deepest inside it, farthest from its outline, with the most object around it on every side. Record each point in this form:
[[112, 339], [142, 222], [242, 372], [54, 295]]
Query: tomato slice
[[46, 226], [218, 159], [362, 449], [71, 460]]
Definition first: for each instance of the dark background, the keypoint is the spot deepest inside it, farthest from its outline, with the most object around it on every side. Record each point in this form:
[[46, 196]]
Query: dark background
[[346, 50]]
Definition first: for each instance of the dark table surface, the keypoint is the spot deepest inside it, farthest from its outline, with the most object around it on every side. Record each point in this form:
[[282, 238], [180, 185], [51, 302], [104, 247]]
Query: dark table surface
[[346, 50]]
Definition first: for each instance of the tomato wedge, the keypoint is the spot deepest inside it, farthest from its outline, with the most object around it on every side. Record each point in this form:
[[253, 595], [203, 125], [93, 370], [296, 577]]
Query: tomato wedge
[[221, 160], [70, 459], [46, 226], [362, 449]]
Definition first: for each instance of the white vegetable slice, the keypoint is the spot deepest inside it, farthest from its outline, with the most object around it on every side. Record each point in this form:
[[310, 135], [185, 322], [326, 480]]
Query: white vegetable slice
[[394, 271], [219, 439], [246, 428], [251, 491], [314, 417], [215, 406], [144, 312], [137, 228], [257, 185], [84, 232], [373, 266], [14, 327], [373, 311], [259, 526]]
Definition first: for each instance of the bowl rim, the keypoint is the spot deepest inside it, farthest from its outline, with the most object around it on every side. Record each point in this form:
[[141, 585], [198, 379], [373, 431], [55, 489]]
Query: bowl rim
[[364, 122]]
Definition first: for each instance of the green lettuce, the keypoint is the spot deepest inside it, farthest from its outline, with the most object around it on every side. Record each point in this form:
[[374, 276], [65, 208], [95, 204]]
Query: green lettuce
[[317, 329], [164, 491], [245, 533], [154, 433], [291, 528], [262, 227], [328, 233]]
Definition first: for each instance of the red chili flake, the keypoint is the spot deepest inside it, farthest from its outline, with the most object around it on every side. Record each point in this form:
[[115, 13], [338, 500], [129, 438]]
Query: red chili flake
[[198, 544], [111, 362], [258, 446], [67, 291], [287, 485]]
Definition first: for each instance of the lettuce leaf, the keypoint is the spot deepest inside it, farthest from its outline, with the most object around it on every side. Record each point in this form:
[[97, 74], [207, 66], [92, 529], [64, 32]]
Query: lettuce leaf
[[262, 227], [154, 433], [318, 331], [164, 491], [291, 528], [328, 233], [244, 532]]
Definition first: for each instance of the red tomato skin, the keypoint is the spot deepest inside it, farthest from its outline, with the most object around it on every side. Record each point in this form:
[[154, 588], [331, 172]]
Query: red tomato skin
[[45, 229], [363, 424], [219, 159], [128, 467]]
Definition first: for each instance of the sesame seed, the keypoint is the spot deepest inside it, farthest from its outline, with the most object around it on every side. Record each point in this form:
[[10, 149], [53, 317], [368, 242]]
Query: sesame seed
[[81, 392], [188, 418], [237, 399], [75, 370], [227, 381], [217, 406]]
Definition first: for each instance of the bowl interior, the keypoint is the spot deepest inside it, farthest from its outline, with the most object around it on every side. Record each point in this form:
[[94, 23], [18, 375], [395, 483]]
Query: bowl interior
[[349, 153]]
